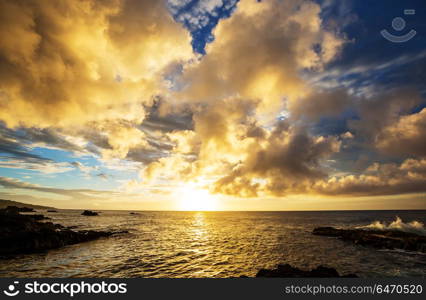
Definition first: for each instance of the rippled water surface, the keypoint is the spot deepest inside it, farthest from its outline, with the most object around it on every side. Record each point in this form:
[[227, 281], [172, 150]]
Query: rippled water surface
[[215, 244]]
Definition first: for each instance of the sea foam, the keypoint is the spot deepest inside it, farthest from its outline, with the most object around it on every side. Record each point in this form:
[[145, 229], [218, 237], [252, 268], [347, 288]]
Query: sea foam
[[398, 224]]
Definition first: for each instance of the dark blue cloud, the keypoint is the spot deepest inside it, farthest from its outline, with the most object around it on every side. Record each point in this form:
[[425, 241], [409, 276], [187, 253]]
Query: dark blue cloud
[[369, 59], [370, 65]]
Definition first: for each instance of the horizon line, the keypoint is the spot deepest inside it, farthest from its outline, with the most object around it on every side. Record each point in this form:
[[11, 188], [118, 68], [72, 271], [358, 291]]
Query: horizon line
[[321, 210]]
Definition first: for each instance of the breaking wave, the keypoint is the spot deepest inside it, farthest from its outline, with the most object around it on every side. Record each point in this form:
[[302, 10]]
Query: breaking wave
[[398, 224]]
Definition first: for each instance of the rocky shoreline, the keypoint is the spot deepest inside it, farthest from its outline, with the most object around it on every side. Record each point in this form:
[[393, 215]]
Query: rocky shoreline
[[24, 234], [381, 239]]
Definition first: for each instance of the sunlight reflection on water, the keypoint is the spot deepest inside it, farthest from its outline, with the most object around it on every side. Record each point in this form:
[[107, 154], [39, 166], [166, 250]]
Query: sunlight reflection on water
[[214, 244]]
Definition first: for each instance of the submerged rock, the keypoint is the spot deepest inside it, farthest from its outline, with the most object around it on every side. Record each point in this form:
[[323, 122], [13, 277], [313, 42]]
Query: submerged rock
[[89, 213], [384, 239], [287, 271], [21, 234]]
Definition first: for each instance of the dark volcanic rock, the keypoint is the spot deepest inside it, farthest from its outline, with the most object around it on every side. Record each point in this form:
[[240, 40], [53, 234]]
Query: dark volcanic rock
[[38, 217], [287, 271], [384, 239], [19, 209], [24, 234], [89, 213], [52, 211]]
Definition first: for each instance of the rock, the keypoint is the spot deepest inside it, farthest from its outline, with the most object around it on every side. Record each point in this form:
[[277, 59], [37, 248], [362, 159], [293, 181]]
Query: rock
[[287, 271], [134, 213], [89, 213], [38, 217], [19, 209], [382, 239], [20, 234], [5, 203], [52, 211]]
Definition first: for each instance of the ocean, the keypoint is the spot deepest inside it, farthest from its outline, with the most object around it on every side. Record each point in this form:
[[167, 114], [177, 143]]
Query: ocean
[[219, 244]]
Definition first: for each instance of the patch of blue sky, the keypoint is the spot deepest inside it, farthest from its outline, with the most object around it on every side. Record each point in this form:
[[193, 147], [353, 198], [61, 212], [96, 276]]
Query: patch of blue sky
[[59, 155], [17, 173], [92, 175], [200, 17]]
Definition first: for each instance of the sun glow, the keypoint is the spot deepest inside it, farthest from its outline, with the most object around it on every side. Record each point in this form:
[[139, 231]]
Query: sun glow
[[192, 198]]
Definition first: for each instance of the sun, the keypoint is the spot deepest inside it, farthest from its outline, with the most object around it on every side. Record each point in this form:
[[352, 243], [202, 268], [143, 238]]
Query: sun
[[192, 198]]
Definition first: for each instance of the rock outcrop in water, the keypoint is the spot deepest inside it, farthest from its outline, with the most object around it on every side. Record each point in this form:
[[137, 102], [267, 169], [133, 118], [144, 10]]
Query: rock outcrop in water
[[21, 234], [89, 213], [287, 271], [383, 239], [19, 209]]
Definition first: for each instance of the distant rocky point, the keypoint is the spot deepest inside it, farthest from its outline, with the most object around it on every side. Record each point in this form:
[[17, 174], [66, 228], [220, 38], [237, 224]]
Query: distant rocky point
[[287, 271], [20, 209], [6, 203], [89, 213], [20, 234], [383, 239]]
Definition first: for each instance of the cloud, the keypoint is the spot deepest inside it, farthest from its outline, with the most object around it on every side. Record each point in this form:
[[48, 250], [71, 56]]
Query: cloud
[[15, 154], [230, 150], [60, 60], [254, 62], [80, 197], [347, 135], [45, 166], [287, 163], [14, 149], [38, 137], [103, 176], [389, 106], [197, 15], [234, 154], [320, 104], [379, 179], [13, 183], [118, 80], [406, 136], [259, 52], [83, 168]]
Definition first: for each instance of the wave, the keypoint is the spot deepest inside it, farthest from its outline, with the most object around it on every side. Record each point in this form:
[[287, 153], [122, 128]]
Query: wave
[[398, 224]]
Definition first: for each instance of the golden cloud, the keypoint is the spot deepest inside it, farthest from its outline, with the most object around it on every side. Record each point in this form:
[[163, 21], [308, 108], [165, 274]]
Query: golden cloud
[[68, 62], [259, 52], [380, 179], [229, 149], [254, 62], [406, 136]]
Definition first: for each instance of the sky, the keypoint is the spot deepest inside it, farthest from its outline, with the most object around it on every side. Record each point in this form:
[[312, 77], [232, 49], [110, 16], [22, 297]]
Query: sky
[[213, 104]]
